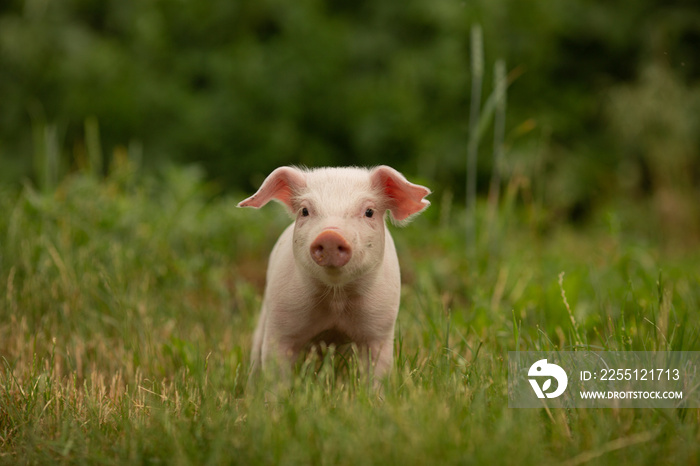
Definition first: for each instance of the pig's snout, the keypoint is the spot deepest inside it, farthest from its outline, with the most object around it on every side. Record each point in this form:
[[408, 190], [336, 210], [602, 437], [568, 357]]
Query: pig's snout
[[331, 249]]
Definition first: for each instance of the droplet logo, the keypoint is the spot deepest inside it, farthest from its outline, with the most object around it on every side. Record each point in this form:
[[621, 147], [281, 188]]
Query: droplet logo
[[542, 369]]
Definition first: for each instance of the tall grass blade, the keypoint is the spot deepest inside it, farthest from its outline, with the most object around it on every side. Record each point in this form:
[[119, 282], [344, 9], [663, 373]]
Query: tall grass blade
[[93, 146], [46, 156], [477, 65], [499, 124]]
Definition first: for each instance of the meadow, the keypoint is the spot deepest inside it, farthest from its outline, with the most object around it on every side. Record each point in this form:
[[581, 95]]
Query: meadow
[[127, 306]]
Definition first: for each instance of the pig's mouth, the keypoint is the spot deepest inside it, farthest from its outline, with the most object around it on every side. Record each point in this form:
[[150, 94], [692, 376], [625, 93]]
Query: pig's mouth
[[334, 276]]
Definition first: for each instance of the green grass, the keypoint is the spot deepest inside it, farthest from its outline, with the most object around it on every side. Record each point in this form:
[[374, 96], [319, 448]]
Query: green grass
[[127, 307]]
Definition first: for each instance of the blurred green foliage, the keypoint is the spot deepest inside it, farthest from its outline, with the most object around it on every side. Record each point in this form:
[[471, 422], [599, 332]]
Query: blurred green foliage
[[241, 87]]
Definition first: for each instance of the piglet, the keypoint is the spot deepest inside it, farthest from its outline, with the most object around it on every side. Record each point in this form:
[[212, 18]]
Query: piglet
[[333, 275]]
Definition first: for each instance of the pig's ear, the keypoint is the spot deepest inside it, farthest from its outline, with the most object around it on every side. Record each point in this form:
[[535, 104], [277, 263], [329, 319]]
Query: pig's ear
[[280, 185], [404, 198]]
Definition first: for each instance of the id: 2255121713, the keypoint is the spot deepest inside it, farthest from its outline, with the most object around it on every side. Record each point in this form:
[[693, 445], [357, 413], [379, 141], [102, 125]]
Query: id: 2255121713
[[632, 374]]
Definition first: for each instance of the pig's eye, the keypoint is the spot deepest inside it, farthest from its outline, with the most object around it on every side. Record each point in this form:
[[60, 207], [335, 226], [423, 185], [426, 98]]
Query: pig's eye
[[304, 212], [369, 213]]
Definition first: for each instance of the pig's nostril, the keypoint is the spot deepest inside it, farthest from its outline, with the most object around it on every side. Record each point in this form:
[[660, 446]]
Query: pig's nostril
[[317, 252], [343, 252]]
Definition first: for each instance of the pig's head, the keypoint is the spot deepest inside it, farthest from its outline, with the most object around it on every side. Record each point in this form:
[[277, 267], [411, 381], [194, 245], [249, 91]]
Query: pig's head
[[339, 231]]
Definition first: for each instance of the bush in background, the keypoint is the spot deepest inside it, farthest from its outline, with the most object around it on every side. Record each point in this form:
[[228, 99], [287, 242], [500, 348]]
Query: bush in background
[[242, 87]]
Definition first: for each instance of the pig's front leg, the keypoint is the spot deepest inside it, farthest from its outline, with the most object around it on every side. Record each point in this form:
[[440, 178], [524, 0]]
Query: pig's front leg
[[381, 357], [278, 356]]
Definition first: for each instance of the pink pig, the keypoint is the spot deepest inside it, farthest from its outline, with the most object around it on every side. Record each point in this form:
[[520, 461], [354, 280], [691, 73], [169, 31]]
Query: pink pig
[[333, 275]]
